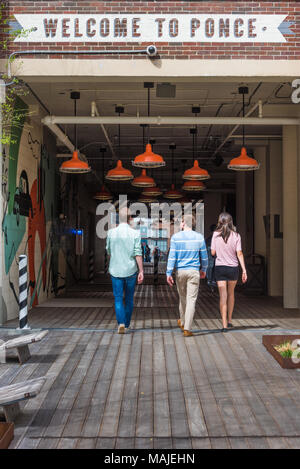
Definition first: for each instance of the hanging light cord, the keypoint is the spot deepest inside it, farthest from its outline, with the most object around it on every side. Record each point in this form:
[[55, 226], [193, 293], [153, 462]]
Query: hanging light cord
[[243, 117], [148, 114], [75, 125]]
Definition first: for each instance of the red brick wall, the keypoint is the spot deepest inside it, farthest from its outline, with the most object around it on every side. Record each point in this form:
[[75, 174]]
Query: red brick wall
[[289, 50]]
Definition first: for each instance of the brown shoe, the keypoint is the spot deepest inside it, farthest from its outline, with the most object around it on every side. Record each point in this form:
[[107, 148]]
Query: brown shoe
[[187, 333], [121, 329], [180, 325]]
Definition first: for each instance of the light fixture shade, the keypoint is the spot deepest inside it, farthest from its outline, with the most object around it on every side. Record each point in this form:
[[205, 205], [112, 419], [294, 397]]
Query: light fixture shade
[[196, 173], [145, 199], [104, 194], [148, 159], [193, 186], [119, 173], [143, 180], [152, 191], [173, 193], [243, 162], [74, 165]]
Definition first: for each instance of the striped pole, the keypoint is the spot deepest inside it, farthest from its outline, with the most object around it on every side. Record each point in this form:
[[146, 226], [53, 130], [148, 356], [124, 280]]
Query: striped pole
[[23, 292], [155, 268], [105, 262], [91, 267]]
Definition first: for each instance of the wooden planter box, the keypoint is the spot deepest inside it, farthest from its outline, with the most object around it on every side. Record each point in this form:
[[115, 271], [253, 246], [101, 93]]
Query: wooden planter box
[[270, 340], [6, 434]]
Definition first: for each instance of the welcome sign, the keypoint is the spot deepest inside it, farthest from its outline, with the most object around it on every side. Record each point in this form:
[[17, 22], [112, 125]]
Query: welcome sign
[[153, 28]]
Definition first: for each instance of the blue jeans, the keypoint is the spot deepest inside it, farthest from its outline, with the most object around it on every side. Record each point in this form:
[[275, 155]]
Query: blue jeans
[[121, 284]]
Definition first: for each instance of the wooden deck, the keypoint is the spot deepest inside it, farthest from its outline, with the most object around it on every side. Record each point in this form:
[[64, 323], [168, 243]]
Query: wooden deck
[[151, 388]]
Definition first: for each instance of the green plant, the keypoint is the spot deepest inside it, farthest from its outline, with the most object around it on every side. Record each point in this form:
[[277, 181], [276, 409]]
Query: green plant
[[286, 350], [10, 119]]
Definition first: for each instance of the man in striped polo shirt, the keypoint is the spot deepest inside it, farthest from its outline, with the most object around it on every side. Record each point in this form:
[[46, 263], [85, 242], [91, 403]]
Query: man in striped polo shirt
[[187, 254]]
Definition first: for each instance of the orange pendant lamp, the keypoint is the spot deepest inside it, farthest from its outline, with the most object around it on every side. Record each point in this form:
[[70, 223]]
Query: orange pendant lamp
[[143, 180], [173, 193], [147, 199], [103, 194], [148, 159], [193, 186], [152, 191], [119, 173], [243, 162], [75, 165], [196, 173]]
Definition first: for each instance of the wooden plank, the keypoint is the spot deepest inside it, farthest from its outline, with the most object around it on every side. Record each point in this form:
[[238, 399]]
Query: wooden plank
[[278, 382], [67, 443], [196, 419], [250, 383], [201, 443], [105, 443], [239, 443], [228, 366], [86, 443], [267, 388], [182, 443], [74, 402], [162, 443], [277, 443], [128, 413], [41, 424], [161, 410], [178, 413], [220, 443], [33, 406], [124, 443], [258, 443], [211, 411], [144, 420], [143, 443], [111, 414], [92, 423]]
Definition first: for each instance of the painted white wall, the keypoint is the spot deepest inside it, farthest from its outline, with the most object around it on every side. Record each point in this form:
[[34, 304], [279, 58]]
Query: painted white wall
[[290, 174]]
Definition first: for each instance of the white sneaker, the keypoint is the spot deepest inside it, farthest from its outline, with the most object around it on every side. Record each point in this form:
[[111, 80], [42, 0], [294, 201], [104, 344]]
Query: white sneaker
[[121, 329]]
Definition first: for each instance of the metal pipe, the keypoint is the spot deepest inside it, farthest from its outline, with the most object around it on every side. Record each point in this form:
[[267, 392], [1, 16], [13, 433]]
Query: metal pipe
[[62, 137], [95, 112], [77, 52], [259, 119], [159, 120]]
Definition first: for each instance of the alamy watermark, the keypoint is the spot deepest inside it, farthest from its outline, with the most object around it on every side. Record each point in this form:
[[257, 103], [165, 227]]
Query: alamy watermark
[[296, 93], [170, 215]]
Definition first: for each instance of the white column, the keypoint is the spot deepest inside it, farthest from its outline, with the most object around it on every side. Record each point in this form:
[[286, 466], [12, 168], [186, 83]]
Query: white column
[[2, 99], [260, 210], [275, 245], [290, 174]]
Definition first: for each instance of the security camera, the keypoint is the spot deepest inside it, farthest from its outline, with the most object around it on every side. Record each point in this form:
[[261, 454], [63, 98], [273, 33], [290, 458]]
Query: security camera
[[151, 51]]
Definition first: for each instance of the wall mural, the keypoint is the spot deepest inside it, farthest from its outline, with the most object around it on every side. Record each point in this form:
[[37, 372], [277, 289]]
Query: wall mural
[[29, 224]]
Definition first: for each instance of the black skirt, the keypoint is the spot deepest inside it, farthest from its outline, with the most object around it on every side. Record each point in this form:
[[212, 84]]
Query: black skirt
[[224, 272]]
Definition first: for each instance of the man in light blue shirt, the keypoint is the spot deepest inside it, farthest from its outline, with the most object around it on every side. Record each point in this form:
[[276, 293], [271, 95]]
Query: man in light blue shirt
[[123, 245], [187, 254]]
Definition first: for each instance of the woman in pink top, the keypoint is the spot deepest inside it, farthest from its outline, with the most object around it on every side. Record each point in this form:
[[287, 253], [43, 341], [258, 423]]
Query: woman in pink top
[[226, 246]]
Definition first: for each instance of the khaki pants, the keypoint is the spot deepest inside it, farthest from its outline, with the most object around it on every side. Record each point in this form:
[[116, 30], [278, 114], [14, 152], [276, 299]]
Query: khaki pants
[[187, 282]]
